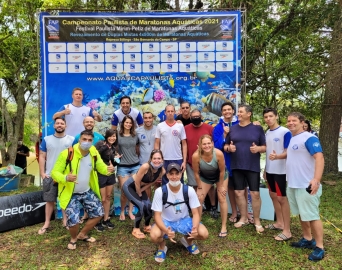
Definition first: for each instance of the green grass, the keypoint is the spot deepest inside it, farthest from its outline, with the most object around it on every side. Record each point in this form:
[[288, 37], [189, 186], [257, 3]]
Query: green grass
[[118, 249]]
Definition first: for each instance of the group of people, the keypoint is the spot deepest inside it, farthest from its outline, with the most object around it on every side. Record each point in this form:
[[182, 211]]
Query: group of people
[[78, 165]]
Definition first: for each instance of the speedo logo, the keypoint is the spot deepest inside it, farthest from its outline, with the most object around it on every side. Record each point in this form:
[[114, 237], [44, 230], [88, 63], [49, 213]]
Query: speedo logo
[[20, 210]]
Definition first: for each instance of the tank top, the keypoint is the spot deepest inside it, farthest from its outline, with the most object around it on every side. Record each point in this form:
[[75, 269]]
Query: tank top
[[146, 179], [210, 170]]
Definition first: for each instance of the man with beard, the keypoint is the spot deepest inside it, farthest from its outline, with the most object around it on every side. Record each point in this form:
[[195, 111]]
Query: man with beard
[[89, 124], [50, 148], [194, 132]]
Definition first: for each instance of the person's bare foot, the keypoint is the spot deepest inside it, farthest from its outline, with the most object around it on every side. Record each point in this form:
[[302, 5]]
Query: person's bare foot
[[122, 216], [131, 216]]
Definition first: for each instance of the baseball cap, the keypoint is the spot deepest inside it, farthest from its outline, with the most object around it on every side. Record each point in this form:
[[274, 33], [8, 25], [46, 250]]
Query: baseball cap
[[173, 166]]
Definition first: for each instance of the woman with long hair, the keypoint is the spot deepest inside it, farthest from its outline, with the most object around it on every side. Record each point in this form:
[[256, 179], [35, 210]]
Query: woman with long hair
[[135, 190], [109, 156], [129, 164], [209, 169]]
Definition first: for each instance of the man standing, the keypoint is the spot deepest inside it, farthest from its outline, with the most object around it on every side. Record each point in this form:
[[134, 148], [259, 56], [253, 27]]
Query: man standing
[[89, 124], [22, 153], [75, 112], [245, 142], [277, 141], [146, 136], [304, 168], [184, 117], [50, 148], [171, 140], [173, 216], [78, 183], [125, 103]]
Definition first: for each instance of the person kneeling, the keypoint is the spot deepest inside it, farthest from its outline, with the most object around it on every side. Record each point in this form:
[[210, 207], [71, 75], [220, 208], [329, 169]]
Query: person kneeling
[[171, 205]]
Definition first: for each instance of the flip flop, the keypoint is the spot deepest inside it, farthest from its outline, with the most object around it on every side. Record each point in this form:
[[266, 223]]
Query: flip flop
[[88, 239], [71, 245], [223, 234], [193, 249], [241, 224], [138, 235], [233, 219], [259, 228], [147, 229], [160, 255], [283, 237], [42, 230], [122, 218], [131, 215], [272, 227]]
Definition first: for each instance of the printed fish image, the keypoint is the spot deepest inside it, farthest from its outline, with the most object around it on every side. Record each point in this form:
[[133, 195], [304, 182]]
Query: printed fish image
[[147, 95], [210, 83], [172, 82], [162, 72], [223, 92], [233, 96], [209, 122], [202, 75], [193, 85], [213, 102], [123, 73]]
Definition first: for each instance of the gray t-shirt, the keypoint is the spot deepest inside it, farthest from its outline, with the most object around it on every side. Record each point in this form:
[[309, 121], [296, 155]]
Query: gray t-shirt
[[146, 139], [127, 149]]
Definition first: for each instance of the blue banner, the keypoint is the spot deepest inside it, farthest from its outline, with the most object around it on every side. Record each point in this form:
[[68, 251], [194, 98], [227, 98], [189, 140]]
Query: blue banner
[[155, 58]]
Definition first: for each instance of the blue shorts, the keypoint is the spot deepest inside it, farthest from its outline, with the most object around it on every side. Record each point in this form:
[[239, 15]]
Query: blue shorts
[[127, 171], [182, 226], [90, 202]]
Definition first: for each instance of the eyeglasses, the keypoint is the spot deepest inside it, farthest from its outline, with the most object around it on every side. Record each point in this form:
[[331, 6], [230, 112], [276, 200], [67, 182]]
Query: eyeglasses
[[185, 108]]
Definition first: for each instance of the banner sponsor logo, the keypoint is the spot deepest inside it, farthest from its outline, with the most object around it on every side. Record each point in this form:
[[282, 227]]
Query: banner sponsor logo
[[52, 28]]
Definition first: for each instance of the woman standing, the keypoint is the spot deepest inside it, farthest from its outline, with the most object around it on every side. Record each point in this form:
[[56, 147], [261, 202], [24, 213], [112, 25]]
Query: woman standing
[[209, 168], [135, 190], [129, 164], [106, 149]]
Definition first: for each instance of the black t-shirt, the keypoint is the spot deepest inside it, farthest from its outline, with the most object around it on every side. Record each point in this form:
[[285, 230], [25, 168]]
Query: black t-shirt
[[20, 160], [184, 121]]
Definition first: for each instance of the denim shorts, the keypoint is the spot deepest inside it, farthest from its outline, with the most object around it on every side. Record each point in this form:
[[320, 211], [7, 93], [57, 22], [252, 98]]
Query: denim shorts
[[304, 204], [90, 202], [127, 171]]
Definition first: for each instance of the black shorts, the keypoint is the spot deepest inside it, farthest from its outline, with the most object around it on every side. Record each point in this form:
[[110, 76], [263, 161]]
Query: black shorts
[[242, 178], [277, 183], [231, 182], [106, 180], [50, 190]]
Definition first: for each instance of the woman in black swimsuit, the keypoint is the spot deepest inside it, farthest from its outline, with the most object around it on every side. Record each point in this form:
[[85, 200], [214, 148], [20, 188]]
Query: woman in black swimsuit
[[135, 190]]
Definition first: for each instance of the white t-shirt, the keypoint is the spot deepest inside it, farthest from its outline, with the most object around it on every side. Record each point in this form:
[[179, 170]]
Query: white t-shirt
[[278, 140], [53, 146], [170, 140], [174, 212], [83, 176], [300, 163]]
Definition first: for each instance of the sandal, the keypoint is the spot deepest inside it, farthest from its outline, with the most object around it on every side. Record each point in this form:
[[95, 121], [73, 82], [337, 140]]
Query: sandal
[[272, 227], [241, 224], [283, 237], [42, 230], [223, 234], [160, 255], [193, 249], [259, 228], [138, 234], [233, 219], [147, 229], [71, 245], [88, 239]]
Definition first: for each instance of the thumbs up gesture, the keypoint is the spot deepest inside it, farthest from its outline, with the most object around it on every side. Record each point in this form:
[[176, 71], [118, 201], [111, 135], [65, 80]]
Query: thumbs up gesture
[[225, 130], [171, 234], [254, 148], [95, 113], [110, 168], [71, 177], [67, 110], [273, 155], [232, 147]]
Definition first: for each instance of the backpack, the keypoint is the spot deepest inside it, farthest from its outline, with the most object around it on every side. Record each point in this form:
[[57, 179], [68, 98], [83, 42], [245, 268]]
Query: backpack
[[71, 156], [185, 196]]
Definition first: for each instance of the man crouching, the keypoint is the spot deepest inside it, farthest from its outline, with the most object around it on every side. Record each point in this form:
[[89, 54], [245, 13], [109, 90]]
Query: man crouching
[[171, 204], [75, 171]]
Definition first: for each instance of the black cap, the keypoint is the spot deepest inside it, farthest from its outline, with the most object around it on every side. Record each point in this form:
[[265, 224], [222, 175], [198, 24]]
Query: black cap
[[173, 166]]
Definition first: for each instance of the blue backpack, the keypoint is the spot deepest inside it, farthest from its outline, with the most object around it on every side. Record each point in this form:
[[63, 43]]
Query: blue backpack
[[185, 195]]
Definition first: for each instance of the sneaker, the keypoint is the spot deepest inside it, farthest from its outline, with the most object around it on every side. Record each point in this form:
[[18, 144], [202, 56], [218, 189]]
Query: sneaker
[[108, 224], [303, 243], [99, 227], [317, 254], [213, 213]]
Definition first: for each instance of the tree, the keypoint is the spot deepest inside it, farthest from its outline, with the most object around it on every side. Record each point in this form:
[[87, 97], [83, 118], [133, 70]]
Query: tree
[[18, 68], [332, 103]]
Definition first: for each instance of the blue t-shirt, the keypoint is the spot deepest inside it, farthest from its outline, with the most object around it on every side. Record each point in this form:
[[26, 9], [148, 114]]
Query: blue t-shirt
[[97, 137], [243, 138]]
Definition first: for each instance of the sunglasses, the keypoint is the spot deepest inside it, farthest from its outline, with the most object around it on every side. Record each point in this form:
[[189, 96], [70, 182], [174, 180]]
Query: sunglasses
[[156, 151]]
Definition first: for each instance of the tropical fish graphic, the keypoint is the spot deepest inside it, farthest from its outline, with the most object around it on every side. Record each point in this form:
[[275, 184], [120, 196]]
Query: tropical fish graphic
[[213, 102]]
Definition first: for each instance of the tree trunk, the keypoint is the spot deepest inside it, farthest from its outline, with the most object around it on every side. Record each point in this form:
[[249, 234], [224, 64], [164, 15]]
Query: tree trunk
[[332, 105]]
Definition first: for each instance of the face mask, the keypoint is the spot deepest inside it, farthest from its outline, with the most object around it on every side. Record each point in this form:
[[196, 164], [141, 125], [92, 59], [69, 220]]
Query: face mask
[[85, 146], [174, 183], [117, 160], [156, 167], [196, 120]]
